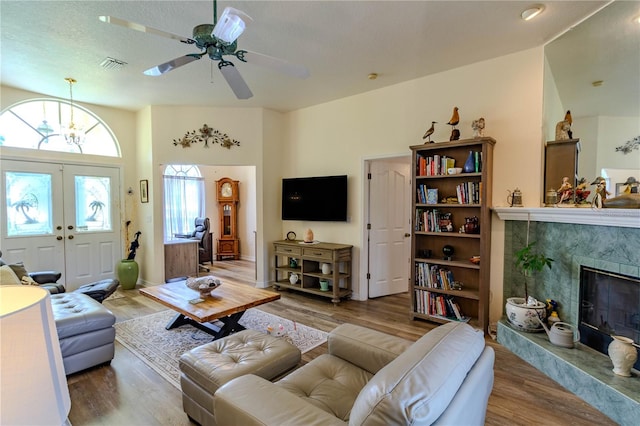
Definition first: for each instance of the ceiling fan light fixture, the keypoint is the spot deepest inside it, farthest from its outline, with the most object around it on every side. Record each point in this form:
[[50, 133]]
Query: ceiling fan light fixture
[[231, 25], [532, 12]]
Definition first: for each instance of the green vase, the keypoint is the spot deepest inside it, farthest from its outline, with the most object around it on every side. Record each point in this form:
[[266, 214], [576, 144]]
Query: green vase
[[127, 274]]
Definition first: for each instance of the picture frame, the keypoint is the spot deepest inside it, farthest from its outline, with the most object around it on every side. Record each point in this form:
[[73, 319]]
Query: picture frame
[[144, 191]]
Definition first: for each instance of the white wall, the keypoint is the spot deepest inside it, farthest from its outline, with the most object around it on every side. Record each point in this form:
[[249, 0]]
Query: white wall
[[333, 138]]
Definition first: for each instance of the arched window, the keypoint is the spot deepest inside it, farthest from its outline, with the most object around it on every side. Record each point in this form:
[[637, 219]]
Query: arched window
[[183, 199], [42, 123]]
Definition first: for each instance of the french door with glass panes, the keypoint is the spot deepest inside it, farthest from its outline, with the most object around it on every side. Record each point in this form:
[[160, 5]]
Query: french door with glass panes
[[61, 217]]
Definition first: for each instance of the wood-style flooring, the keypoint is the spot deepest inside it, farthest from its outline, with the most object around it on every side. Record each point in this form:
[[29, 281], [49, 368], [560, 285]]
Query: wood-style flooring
[[128, 392]]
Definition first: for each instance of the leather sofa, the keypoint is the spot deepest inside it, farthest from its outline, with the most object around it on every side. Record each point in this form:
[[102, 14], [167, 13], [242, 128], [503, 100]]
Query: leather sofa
[[85, 331], [85, 327], [98, 290], [371, 378]]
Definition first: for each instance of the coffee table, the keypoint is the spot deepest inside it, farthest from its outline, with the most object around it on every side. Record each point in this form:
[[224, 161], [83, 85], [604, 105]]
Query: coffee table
[[226, 305]]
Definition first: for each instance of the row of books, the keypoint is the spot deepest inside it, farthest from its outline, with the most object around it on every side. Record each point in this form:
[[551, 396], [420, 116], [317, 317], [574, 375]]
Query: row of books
[[434, 165], [425, 195], [433, 221], [469, 193], [438, 305], [433, 276]]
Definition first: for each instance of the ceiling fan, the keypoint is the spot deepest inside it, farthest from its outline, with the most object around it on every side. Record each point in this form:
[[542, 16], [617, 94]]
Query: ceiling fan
[[217, 40]]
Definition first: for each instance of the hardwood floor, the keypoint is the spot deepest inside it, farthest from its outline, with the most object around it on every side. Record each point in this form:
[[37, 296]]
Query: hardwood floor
[[129, 393]]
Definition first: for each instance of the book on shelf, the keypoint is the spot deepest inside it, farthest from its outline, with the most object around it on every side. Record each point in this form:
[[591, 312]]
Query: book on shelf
[[468, 192], [434, 165], [433, 276], [432, 196], [439, 306]]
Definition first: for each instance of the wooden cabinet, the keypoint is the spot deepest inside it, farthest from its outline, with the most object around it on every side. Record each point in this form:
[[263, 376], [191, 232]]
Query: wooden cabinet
[[560, 161], [446, 209], [306, 261]]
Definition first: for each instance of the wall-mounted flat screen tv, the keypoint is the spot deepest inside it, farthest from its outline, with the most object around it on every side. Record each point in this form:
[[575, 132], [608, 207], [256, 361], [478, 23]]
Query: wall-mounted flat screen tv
[[320, 198]]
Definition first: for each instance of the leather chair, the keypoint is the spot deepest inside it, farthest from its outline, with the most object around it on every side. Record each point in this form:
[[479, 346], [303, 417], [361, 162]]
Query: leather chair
[[203, 235], [372, 378]]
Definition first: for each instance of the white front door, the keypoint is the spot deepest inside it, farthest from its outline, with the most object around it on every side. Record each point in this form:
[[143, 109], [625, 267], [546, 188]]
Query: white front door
[[389, 220], [62, 217]]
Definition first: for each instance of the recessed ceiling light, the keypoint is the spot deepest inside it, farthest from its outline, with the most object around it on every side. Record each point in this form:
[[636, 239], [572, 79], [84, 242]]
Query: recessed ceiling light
[[597, 83], [532, 12], [372, 76]]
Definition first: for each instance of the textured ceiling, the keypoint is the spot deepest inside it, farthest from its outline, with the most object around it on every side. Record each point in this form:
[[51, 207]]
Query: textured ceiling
[[341, 42]]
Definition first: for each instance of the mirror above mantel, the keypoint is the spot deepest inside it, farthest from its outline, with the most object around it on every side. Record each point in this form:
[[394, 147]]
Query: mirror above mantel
[[593, 70]]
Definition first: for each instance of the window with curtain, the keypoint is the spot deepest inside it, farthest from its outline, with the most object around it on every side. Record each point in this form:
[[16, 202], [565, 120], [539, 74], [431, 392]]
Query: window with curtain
[[183, 199]]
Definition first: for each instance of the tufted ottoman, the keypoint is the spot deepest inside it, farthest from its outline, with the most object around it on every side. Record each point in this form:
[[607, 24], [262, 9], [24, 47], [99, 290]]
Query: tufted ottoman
[[205, 368], [85, 331]]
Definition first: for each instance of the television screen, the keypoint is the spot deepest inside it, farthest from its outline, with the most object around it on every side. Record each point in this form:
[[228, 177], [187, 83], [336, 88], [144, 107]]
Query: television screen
[[321, 198]]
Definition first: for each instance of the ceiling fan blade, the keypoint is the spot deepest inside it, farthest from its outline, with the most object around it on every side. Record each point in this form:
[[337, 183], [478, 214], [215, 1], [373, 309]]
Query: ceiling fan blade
[[285, 67], [235, 80], [171, 65], [143, 28]]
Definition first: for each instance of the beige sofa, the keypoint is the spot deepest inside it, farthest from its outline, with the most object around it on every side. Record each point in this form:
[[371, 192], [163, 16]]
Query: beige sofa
[[371, 378]]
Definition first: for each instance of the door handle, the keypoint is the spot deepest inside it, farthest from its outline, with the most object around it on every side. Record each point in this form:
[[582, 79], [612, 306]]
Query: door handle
[[59, 228], [71, 237], [59, 237], [70, 227], [407, 235]]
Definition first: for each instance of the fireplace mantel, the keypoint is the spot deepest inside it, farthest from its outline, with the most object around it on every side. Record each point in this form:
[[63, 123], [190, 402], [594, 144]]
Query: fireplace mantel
[[626, 218]]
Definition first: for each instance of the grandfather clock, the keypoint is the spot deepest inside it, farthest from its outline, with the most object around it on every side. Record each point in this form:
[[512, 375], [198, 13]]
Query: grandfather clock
[[228, 243]]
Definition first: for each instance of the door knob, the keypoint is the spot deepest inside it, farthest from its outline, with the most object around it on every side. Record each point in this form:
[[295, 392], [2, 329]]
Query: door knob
[[407, 235], [59, 237], [59, 228], [71, 237], [70, 227]]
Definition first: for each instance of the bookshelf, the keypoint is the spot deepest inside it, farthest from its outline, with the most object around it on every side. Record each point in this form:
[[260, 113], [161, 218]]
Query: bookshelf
[[445, 209]]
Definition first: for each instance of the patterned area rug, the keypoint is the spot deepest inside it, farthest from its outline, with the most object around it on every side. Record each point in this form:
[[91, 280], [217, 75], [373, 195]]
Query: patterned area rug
[[160, 349]]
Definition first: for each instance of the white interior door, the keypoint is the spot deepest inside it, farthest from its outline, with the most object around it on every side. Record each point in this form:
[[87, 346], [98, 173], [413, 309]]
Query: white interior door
[[62, 217], [389, 220]]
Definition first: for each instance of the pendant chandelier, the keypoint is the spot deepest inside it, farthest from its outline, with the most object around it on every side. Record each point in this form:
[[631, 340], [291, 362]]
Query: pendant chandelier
[[44, 127], [72, 134]]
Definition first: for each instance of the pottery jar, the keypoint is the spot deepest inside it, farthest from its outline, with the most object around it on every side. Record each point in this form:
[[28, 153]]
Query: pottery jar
[[623, 355]]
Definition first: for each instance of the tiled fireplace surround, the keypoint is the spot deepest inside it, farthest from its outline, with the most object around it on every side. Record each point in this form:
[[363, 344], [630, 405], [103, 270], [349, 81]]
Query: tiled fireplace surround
[[608, 240]]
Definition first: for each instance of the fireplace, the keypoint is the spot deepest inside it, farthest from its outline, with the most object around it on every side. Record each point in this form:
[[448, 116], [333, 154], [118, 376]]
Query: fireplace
[[606, 241], [609, 305]]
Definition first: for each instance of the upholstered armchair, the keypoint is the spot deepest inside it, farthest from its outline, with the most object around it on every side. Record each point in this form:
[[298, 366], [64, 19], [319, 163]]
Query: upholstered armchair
[[203, 235]]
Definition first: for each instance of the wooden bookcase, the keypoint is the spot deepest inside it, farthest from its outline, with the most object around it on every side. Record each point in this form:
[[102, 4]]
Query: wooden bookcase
[[449, 211], [308, 266]]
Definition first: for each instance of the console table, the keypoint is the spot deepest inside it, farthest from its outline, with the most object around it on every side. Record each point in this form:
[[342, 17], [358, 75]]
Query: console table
[[306, 260]]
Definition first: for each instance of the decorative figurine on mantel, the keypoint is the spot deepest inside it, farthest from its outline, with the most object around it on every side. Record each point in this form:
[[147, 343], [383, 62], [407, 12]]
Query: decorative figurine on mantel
[[601, 192], [565, 191], [453, 122], [629, 199], [478, 127], [563, 128], [429, 132]]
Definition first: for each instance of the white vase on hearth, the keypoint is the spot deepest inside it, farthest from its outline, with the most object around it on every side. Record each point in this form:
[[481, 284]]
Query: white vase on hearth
[[623, 355]]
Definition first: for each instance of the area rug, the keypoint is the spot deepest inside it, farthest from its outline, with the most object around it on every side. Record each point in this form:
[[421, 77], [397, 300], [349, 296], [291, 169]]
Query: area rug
[[160, 348]]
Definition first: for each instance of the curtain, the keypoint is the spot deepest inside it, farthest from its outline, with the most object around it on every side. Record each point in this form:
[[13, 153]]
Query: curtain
[[183, 202]]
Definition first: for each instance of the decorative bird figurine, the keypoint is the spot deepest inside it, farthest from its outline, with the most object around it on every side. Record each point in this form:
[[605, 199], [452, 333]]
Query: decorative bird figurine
[[429, 132], [567, 118], [455, 118]]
